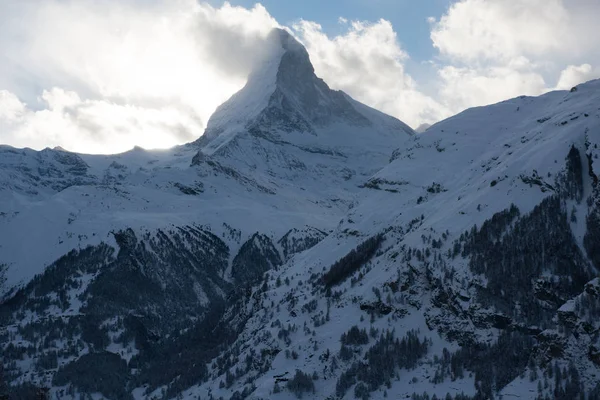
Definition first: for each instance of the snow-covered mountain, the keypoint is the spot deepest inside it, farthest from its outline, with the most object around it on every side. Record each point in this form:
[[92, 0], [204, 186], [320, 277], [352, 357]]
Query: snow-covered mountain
[[284, 152], [470, 267], [308, 245]]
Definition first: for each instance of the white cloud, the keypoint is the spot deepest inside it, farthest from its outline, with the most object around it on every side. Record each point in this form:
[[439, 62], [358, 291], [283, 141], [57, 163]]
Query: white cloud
[[142, 67], [11, 109], [480, 30], [367, 62], [466, 87], [97, 126], [575, 74], [492, 50]]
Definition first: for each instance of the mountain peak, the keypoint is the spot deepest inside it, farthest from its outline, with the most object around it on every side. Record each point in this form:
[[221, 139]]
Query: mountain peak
[[287, 42], [283, 97], [295, 69]]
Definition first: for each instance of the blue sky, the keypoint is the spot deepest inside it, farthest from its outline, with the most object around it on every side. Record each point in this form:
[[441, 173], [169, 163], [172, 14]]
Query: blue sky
[[408, 17]]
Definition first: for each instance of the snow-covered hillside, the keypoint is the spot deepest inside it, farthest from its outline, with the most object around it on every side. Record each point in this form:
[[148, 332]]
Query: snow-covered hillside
[[309, 246], [522, 173]]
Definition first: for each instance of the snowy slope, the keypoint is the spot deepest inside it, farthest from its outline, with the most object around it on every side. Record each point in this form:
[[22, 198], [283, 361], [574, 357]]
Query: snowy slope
[[458, 174], [144, 191]]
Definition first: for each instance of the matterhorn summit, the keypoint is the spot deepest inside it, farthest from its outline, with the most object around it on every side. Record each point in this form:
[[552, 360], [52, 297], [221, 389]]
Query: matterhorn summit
[[285, 109]]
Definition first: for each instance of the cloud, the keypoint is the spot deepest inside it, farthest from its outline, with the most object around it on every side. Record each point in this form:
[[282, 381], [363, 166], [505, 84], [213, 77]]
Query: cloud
[[98, 126], [11, 109], [497, 30], [461, 87], [124, 72], [490, 50], [575, 74], [368, 63]]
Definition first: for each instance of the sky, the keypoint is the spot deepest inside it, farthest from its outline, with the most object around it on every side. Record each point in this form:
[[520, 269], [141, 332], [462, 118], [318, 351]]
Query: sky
[[102, 76]]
